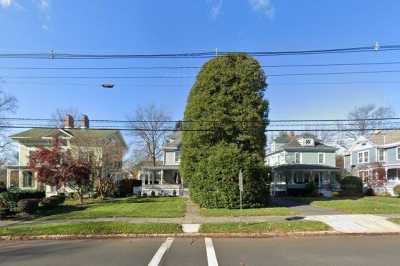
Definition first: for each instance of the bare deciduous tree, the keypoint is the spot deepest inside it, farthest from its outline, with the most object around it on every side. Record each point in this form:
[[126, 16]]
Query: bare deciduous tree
[[151, 121], [362, 122], [8, 105]]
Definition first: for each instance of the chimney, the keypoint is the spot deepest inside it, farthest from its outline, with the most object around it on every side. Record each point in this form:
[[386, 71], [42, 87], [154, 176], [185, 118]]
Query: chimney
[[84, 121], [68, 121]]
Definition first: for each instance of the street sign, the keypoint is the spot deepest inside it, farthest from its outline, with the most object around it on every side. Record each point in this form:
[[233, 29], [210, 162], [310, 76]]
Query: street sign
[[241, 181]]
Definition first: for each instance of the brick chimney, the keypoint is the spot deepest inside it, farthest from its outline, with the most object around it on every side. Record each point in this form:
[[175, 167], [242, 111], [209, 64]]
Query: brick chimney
[[84, 121], [68, 121]]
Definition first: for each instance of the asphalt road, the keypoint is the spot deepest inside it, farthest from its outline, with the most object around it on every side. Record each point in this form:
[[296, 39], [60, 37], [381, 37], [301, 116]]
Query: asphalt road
[[343, 251]]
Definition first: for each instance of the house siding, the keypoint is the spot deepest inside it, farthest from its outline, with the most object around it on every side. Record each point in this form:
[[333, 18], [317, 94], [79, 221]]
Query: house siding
[[391, 156], [312, 158]]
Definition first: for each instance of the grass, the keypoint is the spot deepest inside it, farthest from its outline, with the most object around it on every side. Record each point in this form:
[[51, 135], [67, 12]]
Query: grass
[[89, 228], [364, 205], [127, 207], [264, 227], [274, 211], [395, 220]]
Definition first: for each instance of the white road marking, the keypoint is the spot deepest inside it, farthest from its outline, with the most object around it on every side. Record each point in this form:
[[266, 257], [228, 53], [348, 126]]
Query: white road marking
[[156, 260], [211, 257]]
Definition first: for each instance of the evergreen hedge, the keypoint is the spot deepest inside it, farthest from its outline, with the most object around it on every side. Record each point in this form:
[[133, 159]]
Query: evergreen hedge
[[229, 90]]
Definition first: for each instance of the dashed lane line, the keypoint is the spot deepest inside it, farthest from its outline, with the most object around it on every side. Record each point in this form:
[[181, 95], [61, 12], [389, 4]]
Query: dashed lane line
[[157, 258], [211, 256]]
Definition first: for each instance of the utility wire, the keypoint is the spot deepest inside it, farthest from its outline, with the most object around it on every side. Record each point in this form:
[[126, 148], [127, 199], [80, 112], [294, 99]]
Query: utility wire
[[208, 54], [198, 67]]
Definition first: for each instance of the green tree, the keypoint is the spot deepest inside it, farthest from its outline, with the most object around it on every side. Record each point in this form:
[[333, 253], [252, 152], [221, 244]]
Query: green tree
[[227, 116]]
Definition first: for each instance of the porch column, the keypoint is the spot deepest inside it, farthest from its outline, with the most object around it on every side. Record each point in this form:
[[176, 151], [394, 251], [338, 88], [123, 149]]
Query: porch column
[[20, 178], [162, 176], [8, 178]]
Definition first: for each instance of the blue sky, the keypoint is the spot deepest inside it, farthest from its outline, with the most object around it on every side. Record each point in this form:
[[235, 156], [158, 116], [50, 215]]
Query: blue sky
[[145, 26]]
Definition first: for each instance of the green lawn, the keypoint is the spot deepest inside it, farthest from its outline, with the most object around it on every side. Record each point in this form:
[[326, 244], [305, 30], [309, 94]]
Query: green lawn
[[274, 211], [89, 228], [265, 227], [395, 220], [365, 205], [128, 207]]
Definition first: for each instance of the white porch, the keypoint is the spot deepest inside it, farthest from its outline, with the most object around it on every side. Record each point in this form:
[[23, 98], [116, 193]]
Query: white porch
[[161, 180]]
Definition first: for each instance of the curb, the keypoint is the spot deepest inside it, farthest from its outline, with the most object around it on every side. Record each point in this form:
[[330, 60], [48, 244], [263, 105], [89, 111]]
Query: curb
[[193, 235]]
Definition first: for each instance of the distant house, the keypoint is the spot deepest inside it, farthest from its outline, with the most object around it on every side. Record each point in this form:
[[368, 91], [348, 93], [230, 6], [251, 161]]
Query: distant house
[[164, 177], [21, 177], [297, 160], [376, 160]]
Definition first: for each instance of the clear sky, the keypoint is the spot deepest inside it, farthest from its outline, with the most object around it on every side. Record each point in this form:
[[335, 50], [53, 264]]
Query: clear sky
[[149, 26]]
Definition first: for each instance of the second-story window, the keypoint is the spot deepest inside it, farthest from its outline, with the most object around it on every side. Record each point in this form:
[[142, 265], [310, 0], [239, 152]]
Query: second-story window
[[381, 155], [321, 158], [177, 156], [297, 157], [363, 157], [398, 153]]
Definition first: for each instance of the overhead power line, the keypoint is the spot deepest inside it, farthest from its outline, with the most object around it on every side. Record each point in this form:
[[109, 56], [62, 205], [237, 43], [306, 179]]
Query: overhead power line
[[182, 77], [197, 67], [207, 54]]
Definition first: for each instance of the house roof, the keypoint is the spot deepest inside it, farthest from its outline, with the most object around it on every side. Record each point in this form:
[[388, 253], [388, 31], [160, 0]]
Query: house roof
[[304, 167], [293, 144], [174, 141], [37, 134]]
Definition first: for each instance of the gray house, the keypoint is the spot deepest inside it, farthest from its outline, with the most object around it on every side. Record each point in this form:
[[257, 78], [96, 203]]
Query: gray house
[[297, 160], [164, 178], [376, 160]]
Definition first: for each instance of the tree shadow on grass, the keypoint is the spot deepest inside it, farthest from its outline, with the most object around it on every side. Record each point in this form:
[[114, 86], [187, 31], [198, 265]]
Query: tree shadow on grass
[[63, 209]]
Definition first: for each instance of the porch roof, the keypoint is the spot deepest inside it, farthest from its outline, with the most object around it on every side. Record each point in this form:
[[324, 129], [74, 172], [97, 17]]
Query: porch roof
[[305, 167], [160, 167]]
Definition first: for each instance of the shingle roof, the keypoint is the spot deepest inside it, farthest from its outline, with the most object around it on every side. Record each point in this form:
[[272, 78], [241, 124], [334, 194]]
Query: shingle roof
[[37, 133], [293, 144], [175, 140]]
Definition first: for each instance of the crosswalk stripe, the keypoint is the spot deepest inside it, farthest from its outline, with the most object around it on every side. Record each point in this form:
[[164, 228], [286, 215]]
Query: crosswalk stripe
[[156, 260], [211, 256]]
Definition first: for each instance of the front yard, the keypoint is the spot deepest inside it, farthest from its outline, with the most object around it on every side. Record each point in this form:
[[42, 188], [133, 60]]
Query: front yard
[[265, 227], [273, 211], [164, 207], [363, 205], [102, 228]]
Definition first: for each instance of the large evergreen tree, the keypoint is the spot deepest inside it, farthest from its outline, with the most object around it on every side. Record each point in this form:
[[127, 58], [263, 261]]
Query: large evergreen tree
[[227, 116]]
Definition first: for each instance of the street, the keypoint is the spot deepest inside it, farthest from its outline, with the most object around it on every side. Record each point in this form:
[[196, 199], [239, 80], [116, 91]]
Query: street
[[333, 250]]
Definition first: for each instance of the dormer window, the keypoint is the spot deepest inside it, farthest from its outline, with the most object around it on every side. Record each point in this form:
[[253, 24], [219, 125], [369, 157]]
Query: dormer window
[[307, 142]]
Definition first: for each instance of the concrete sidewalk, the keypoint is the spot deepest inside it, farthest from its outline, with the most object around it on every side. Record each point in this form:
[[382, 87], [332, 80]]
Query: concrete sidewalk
[[362, 223]]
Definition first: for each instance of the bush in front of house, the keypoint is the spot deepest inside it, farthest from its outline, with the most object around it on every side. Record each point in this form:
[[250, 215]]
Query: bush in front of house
[[396, 190], [3, 187], [351, 186], [217, 183], [28, 206], [125, 187], [53, 201], [229, 90], [27, 194]]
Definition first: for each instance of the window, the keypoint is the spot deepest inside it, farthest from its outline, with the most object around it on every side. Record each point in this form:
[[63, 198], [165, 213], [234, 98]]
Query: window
[[363, 157], [381, 155], [27, 179], [321, 158], [177, 156], [297, 157], [398, 153]]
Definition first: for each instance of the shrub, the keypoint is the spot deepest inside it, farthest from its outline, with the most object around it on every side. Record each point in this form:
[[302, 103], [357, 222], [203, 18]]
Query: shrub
[[28, 206], [174, 193], [3, 187], [53, 201], [229, 89], [27, 194], [153, 194], [351, 186], [4, 212], [369, 192], [217, 185], [125, 187], [396, 190]]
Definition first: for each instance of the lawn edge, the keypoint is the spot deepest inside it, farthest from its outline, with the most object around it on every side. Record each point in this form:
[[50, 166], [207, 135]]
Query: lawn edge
[[192, 235]]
